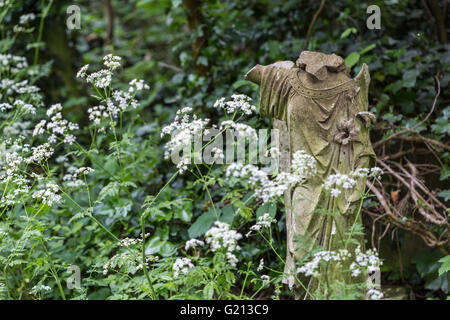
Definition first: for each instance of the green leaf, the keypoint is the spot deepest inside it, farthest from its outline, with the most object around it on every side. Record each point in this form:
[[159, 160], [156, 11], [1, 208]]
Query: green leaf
[[445, 267], [203, 223], [154, 245], [6, 43], [241, 83], [208, 291], [352, 59], [347, 32], [270, 208], [227, 214], [367, 49], [409, 78], [444, 194], [176, 3], [202, 61], [110, 190]]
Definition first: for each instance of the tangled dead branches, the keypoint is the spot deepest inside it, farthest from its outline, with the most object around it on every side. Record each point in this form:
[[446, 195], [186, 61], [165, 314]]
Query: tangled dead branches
[[405, 200]]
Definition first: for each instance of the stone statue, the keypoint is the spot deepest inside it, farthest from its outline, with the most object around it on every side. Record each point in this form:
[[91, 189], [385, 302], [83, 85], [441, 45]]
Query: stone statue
[[318, 108]]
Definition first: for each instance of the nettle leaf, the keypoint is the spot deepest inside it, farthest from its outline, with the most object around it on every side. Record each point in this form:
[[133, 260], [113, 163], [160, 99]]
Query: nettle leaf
[[445, 267]]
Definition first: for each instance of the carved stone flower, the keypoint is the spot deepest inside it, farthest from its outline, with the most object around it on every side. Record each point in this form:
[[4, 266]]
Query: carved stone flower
[[347, 132]]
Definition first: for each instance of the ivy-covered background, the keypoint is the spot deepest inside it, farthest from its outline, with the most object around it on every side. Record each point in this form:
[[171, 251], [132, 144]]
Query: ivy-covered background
[[193, 52]]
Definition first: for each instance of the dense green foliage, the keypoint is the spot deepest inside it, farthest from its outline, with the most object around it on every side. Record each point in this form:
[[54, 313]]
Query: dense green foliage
[[192, 53]]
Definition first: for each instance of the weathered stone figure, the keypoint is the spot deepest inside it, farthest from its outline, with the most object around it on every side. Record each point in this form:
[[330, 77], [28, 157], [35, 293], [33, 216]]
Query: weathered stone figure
[[320, 109]]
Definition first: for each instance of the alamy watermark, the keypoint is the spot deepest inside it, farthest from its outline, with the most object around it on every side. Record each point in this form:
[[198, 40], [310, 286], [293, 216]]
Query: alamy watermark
[[374, 20], [74, 280], [74, 19]]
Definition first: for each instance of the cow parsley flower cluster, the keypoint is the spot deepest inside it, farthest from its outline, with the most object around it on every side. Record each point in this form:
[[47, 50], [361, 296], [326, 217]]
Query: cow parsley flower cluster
[[365, 261], [138, 85], [12, 63], [40, 288], [217, 155], [22, 88], [48, 195], [22, 107], [114, 101], [264, 221], [375, 294], [362, 263], [246, 173], [261, 265], [303, 167], [72, 176], [130, 259], [127, 242], [239, 102], [40, 153], [193, 243], [221, 237], [57, 127], [25, 18], [102, 78], [111, 61], [311, 268], [182, 131], [182, 265], [82, 73], [265, 280], [240, 129], [338, 182]]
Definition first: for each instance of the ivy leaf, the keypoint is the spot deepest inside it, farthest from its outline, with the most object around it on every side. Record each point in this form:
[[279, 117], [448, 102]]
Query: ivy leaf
[[444, 194]]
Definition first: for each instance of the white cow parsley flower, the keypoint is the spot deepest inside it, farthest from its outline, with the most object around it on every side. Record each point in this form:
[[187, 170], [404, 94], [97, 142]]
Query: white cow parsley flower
[[220, 236], [238, 102], [193, 243], [264, 221], [112, 62], [82, 72], [182, 265]]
